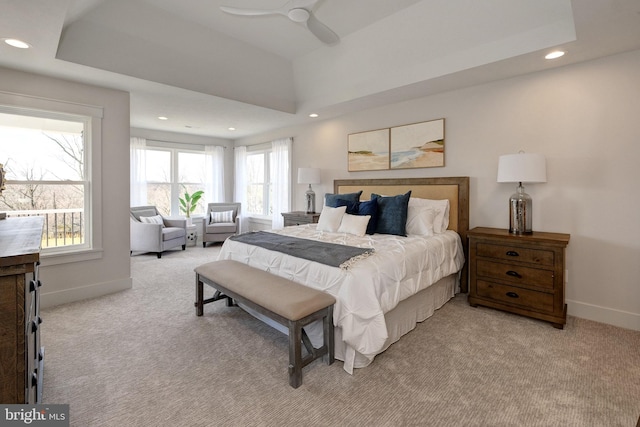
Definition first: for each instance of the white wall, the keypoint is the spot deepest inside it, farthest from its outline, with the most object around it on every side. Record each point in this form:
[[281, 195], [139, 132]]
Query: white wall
[[111, 271], [583, 118]]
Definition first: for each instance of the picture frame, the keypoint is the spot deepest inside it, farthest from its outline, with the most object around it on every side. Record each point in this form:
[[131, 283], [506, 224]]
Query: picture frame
[[369, 150], [417, 145]]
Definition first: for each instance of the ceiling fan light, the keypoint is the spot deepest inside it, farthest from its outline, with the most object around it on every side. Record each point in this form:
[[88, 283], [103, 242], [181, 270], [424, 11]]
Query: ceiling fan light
[[298, 15]]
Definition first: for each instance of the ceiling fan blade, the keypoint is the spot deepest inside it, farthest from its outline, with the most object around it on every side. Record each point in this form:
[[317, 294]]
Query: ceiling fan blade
[[249, 12], [321, 31]]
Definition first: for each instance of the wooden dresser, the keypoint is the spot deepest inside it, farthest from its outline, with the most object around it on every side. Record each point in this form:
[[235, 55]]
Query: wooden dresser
[[21, 355], [300, 218], [522, 274]]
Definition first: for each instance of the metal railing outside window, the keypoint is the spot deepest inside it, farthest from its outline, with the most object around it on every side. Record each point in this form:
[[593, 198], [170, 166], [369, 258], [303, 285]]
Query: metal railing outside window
[[62, 227]]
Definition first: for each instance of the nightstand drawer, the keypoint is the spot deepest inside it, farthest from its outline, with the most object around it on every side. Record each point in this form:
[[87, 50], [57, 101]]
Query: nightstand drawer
[[515, 274], [515, 253], [515, 296], [299, 218]]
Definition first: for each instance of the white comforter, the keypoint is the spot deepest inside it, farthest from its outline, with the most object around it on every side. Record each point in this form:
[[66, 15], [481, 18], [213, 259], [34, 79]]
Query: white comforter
[[399, 267]]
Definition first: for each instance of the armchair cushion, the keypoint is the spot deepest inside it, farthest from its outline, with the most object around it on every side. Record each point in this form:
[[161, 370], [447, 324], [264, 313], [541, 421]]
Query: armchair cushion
[[221, 227], [169, 233], [155, 219], [223, 216]]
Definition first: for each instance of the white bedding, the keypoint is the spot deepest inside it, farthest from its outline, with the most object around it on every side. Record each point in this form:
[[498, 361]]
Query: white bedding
[[399, 267]]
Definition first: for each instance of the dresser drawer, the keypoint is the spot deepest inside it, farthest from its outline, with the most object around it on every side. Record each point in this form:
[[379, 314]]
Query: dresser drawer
[[515, 274], [512, 295], [515, 253]]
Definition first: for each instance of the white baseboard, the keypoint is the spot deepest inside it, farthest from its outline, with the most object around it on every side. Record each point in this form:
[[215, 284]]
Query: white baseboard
[[50, 299], [623, 319]]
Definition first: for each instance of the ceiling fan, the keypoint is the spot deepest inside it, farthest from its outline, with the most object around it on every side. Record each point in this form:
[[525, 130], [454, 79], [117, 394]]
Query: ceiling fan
[[297, 11]]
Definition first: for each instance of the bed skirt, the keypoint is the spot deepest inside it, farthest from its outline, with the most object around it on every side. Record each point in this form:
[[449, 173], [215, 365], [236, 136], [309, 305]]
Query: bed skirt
[[400, 321]]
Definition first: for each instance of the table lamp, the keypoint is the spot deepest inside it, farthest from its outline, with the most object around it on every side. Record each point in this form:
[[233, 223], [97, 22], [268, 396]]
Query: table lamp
[[521, 167], [309, 176]]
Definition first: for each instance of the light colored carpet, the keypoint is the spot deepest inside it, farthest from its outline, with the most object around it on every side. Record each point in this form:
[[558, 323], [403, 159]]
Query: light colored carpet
[[142, 358]]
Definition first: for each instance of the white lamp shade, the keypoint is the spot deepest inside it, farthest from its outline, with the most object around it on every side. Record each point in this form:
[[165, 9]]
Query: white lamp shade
[[522, 167], [308, 176]]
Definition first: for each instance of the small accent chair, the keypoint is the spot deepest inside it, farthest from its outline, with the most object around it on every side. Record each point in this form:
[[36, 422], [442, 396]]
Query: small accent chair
[[155, 237], [215, 231]]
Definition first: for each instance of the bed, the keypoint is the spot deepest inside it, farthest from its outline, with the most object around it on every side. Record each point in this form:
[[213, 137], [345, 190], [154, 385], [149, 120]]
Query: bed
[[382, 296]]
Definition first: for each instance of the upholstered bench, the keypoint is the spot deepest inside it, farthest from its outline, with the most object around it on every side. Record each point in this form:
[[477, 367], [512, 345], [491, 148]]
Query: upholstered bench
[[282, 300]]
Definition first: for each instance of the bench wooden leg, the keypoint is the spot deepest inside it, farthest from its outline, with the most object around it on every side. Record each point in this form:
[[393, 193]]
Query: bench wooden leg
[[199, 297], [327, 335], [295, 354]]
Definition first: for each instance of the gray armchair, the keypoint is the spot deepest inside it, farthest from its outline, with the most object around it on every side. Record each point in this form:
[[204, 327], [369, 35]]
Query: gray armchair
[[150, 237], [212, 231]]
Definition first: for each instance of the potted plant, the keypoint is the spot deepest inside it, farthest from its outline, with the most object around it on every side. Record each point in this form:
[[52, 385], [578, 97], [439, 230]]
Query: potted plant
[[189, 203]]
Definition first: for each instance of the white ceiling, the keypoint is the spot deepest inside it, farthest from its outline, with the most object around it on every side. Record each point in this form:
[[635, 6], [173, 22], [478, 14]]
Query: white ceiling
[[207, 70]]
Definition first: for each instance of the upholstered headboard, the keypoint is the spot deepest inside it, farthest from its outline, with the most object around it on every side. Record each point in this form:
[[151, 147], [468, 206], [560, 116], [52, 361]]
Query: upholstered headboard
[[456, 189]]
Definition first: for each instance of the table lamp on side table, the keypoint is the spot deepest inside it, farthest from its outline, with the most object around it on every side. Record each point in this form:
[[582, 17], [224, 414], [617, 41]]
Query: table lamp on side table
[[521, 167], [309, 176]]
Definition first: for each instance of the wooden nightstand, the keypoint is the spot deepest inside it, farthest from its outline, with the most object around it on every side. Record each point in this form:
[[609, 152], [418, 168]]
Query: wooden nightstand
[[300, 218], [522, 274]]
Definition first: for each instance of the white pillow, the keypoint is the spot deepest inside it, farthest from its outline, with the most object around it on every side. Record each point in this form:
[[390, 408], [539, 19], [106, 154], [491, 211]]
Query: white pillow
[[441, 222], [330, 218], [224, 216], [420, 220], [354, 224], [156, 219]]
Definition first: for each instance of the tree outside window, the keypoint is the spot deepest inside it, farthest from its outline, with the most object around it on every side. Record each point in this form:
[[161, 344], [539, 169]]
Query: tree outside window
[[44, 161]]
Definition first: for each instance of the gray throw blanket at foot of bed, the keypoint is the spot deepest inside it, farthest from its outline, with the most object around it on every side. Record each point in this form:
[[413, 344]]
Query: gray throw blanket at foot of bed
[[325, 253]]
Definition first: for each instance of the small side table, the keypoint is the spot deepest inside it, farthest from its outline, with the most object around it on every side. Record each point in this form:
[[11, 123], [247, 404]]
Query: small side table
[[192, 235], [300, 218], [522, 274]]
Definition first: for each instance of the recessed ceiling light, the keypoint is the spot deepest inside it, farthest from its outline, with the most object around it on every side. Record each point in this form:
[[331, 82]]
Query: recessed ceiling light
[[555, 54], [232, 128], [163, 118], [17, 43], [314, 115]]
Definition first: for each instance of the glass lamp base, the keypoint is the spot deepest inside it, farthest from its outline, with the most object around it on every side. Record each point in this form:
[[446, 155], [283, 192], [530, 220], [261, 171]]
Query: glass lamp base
[[520, 209], [311, 200]]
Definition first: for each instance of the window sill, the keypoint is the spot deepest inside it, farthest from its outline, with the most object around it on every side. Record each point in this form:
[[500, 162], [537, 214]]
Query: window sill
[[260, 218], [70, 257]]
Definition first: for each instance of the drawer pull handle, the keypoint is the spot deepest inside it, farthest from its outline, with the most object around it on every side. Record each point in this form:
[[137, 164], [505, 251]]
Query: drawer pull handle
[[512, 253], [512, 295], [514, 274]]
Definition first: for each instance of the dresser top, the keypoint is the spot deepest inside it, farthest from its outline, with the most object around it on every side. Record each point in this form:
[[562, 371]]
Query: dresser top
[[535, 237], [19, 238]]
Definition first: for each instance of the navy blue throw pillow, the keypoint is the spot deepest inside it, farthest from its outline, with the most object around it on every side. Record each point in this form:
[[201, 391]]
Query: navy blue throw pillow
[[369, 208], [331, 200], [392, 214], [352, 207]]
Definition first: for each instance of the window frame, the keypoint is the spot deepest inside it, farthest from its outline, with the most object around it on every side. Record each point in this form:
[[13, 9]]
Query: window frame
[[267, 181], [175, 185], [91, 116]]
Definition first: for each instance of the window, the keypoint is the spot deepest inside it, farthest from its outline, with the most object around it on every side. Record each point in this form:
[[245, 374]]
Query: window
[[169, 173], [45, 159], [259, 183]]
